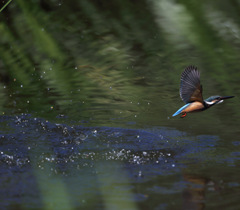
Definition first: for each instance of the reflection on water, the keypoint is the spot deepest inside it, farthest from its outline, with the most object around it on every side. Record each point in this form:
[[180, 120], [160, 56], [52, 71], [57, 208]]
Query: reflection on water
[[100, 82], [117, 167]]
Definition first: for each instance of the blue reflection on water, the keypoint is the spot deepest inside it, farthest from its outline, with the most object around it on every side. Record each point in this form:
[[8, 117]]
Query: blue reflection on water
[[84, 157]]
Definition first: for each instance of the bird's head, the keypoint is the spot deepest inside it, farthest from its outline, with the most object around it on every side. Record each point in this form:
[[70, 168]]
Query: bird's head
[[216, 100]]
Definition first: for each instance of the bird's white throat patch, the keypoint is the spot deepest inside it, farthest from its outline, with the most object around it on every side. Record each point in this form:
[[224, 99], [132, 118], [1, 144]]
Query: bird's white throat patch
[[213, 102]]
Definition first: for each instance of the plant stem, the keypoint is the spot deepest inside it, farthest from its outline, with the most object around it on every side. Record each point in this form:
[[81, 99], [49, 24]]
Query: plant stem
[[5, 5]]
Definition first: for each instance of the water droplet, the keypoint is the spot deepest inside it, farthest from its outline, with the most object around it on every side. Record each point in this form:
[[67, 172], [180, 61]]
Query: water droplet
[[94, 132]]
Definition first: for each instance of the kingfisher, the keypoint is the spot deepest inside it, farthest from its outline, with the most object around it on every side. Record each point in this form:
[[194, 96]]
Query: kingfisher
[[191, 93]]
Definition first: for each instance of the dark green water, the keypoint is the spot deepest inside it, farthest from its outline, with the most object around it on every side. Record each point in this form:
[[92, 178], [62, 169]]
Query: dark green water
[[87, 91]]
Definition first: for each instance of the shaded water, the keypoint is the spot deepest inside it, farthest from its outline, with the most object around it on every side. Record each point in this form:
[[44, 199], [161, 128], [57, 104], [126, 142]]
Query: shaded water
[[87, 91], [95, 167]]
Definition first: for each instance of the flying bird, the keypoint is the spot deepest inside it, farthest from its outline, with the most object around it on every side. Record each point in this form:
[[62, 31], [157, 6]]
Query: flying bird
[[191, 93]]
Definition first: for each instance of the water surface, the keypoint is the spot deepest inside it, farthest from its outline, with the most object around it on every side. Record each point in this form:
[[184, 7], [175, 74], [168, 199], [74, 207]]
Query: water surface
[[87, 91]]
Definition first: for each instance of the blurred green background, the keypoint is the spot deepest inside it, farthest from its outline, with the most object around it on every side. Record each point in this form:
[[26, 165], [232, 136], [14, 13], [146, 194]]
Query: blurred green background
[[118, 64], [115, 62]]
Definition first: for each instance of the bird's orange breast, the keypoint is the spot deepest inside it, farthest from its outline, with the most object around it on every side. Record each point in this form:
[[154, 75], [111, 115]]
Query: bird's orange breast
[[193, 107]]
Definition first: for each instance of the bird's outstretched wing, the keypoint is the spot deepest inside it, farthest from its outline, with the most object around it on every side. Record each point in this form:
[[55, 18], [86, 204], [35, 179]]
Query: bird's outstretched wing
[[190, 87]]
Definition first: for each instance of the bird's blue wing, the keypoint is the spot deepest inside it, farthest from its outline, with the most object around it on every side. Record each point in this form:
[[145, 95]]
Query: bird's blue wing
[[182, 108]]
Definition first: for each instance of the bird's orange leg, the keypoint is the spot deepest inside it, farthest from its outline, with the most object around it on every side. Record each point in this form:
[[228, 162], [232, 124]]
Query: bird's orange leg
[[184, 115]]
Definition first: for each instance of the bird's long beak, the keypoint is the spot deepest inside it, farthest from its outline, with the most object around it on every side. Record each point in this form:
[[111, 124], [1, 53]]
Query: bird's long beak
[[225, 97]]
